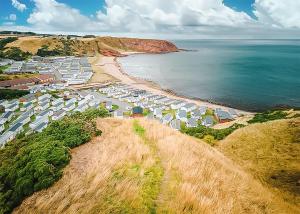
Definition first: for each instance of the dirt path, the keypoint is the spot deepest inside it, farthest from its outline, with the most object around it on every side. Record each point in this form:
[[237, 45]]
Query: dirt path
[[146, 167]]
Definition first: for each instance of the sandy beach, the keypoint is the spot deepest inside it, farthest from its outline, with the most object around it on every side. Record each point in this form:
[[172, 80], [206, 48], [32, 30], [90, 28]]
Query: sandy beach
[[112, 68]]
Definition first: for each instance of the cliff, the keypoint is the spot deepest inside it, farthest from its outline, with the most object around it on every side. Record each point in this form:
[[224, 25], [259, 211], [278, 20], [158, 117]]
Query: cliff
[[108, 46]]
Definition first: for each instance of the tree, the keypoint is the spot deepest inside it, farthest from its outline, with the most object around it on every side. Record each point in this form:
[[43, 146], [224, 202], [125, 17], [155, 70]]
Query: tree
[[2, 109], [35, 162]]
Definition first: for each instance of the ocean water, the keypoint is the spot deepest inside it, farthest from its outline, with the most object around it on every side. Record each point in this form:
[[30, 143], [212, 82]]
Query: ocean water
[[246, 74]]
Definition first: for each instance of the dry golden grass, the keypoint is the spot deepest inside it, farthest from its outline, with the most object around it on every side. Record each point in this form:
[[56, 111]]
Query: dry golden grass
[[33, 43], [202, 180], [86, 180], [119, 171], [79, 46], [271, 153], [91, 46]]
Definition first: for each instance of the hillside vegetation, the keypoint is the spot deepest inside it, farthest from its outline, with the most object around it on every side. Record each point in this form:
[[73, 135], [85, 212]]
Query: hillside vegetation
[[138, 166], [7, 94], [271, 153], [12, 52], [35, 162], [88, 46]]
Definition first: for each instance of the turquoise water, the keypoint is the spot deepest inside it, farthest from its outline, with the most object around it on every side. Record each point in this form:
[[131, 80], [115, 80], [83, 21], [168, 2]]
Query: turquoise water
[[246, 74]]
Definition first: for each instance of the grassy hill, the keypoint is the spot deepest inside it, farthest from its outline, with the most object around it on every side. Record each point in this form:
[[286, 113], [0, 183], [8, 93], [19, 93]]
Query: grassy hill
[[89, 46], [271, 153], [137, 166]]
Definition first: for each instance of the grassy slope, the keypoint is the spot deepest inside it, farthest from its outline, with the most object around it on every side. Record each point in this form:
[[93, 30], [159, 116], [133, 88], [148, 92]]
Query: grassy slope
[[270, 152], [144, 167], [79, 46]]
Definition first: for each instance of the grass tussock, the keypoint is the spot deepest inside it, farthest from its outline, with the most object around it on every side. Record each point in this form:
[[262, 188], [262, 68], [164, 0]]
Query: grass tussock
[[137, 166], [270, 152]]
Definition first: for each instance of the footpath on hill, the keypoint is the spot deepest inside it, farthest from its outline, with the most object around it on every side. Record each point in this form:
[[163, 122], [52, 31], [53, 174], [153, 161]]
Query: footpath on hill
[[140, 166]]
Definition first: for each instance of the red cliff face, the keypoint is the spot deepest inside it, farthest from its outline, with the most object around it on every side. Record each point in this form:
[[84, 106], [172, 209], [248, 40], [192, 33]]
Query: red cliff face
[[106, 52], [111, 46], [149, 46]]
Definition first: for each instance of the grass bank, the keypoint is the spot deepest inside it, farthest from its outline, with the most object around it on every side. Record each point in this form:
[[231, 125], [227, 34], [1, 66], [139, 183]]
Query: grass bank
[[270, 152]]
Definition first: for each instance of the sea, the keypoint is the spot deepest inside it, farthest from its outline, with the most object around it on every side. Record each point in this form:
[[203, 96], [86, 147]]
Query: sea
[[253, 75]]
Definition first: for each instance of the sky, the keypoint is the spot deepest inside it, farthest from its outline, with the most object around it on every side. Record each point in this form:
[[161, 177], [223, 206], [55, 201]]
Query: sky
[[155, 18]]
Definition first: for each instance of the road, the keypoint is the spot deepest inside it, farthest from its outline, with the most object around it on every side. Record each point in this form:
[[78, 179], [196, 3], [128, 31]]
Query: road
[[123, 106]]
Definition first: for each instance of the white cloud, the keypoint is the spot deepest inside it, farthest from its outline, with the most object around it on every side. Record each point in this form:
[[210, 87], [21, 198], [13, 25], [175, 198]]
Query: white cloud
[[19, 6], [194, 18], [12, 17], [278, 13], [8, 23], [136, 15], [10, 20], [52, 15]]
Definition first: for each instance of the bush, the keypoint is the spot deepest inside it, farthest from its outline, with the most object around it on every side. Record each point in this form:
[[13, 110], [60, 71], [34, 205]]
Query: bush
[[12, 94], [5, 41], [202, 132], [65, 50], [35, 162], [3, 68], [43, 52], [268, 116], [15, 54]]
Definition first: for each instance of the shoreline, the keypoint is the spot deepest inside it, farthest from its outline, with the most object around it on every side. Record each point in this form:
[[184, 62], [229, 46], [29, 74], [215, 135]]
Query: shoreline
[[112, 67]]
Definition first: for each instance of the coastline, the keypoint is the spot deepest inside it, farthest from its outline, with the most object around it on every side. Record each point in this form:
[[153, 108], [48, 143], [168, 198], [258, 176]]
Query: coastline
[[112, 67]]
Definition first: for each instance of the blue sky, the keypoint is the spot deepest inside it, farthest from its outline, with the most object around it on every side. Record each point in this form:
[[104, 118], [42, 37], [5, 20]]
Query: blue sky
[[87, 7], [90, 7], [241, 5], [227, 18]]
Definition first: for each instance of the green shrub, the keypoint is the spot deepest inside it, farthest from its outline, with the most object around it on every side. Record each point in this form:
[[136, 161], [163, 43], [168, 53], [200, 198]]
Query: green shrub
[[5, 41], [268, 116], [218, 134], [15, 54], [35, 162], [8, 94], [44, 52], [3, 68], [66, 50], [115, 107]]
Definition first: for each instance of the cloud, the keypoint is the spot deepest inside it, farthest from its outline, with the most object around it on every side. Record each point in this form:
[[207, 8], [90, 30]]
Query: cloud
[[19, 6], [12, 17], [136, 15], [192, 18], [8, 23], [52, 15], [10, 20], [278, 13]]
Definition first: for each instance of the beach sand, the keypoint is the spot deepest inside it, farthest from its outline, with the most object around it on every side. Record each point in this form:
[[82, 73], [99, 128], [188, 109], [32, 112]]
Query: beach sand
[[100, 76], [110, 67]]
